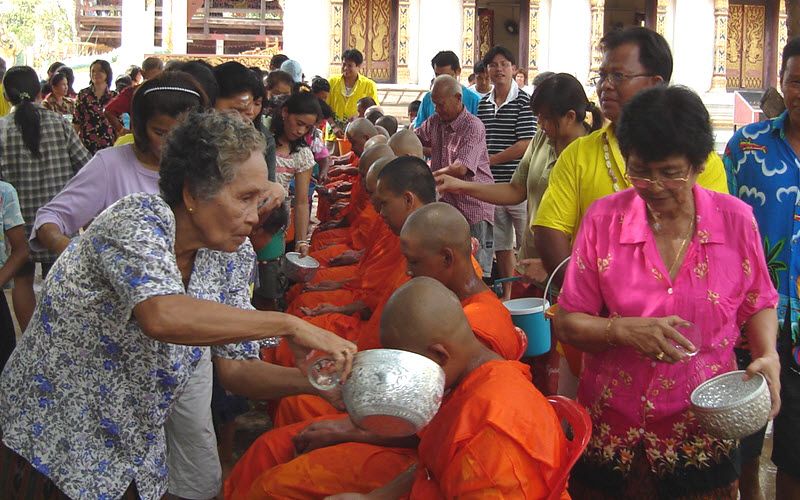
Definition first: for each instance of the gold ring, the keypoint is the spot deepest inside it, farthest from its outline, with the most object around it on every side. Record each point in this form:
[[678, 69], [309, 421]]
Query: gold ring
[[660, 356]]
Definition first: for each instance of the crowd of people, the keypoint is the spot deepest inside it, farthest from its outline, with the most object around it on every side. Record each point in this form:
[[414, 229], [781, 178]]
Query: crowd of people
[[159, 213]]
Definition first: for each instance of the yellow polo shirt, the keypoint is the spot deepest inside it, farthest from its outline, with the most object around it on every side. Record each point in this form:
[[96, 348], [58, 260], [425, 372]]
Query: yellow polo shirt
[[346, 106], [580, 177], [124, 139]]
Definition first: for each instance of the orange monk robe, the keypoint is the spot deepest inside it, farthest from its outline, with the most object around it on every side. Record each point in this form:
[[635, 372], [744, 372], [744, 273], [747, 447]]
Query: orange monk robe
[[360, 236], [488, 317], [495, 436], [359, 199], [382, 259], [323, 205]]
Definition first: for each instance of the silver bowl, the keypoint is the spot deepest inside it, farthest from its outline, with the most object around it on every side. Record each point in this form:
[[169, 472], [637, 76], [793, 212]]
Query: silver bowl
[[393, 393], [299, 269], [728, 407]]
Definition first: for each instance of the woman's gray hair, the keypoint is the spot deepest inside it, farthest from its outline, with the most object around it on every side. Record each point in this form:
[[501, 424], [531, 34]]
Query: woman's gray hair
[[203, 153]]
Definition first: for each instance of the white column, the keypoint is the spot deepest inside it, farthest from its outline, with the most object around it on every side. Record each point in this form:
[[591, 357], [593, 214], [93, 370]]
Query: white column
[[180, 22], [307, 35], [137, 32]]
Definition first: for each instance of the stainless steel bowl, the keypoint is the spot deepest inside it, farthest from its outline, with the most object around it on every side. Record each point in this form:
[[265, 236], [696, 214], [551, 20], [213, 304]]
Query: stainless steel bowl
[[393, 393], [299, 269], [728, 407]]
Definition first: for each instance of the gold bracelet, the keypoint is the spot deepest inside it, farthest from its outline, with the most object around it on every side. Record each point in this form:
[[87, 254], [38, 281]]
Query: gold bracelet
[[608, 332]]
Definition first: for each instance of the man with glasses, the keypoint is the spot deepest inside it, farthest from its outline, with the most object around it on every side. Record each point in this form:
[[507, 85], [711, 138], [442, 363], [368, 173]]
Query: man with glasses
[[510, 125], [592, 166], [761, 161]]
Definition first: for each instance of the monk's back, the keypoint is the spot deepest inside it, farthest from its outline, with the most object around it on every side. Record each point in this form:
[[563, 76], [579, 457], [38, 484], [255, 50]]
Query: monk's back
[[495, 436], [491, 322]]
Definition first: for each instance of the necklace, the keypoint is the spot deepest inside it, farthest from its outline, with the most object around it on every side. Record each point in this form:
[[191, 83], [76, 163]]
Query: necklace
[[681, 249], [609, 169]]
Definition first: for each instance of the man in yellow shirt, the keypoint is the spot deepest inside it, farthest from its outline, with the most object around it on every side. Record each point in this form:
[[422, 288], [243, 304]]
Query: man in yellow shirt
[[349, 87], [592, 166]]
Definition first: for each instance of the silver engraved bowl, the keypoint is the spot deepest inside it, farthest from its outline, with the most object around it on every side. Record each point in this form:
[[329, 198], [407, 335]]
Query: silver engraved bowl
[[299, 269], [393, 393], [728, 407]]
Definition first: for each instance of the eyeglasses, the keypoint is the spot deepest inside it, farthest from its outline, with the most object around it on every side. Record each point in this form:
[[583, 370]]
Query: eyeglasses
[[503, 64], [614, 78], [664, 182]]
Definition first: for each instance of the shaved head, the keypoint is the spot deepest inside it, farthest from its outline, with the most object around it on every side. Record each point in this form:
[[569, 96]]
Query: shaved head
[[375, 171], [372, 154], [438, 226], [446, 86], [359, 131], [389, 123], [382, 131], [374, 141], [421, 313], [406, 142]]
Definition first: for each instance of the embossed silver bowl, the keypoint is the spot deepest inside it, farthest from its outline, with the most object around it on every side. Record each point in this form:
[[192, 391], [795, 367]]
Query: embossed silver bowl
[[729, 407], [299, 269], [393, 393]]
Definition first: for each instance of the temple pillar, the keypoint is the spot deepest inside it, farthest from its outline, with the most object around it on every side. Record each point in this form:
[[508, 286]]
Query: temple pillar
[[403, 73], [661, 17], [598, 13], [783, 37], [719, 80], [468, 41], [533, 39], [336, 21]]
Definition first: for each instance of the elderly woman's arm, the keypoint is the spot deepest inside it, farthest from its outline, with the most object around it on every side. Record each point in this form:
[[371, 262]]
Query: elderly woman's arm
[[650, 336], [180, 319], [256, 379], [761, 330]]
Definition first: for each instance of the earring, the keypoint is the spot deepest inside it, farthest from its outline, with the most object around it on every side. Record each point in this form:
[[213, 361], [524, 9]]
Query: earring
[[190, 210]]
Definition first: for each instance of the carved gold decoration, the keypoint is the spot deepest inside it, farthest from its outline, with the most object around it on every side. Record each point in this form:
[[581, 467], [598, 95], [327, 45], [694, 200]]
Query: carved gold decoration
[[661, 16], [357, 25], [485, 32], [369, 25], [722, 45], [337, 19], [598, 12], [745, 47], [468, 32], [403, 75], [753, 57], [533, 39]]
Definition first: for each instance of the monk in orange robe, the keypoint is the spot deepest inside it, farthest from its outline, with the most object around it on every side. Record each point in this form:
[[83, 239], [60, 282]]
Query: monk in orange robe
[[495, 435]]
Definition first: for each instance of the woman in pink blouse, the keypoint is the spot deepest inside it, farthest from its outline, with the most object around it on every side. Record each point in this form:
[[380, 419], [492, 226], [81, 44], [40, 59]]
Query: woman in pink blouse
[[663, 279]]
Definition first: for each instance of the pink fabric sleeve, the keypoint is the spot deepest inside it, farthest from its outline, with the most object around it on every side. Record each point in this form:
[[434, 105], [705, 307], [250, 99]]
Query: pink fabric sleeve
[[761, 293], [424, 133], [581, 290]]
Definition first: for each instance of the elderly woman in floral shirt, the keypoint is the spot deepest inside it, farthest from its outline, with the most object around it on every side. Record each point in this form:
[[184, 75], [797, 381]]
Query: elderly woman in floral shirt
[[663, 278], [124, 315], [90, 123]]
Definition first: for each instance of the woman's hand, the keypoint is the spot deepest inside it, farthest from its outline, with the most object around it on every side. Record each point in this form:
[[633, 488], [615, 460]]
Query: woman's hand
[[770, 366], [307, 337], [446, 183], [325, 433], [302, 247], [656, 338], [320, 309], [533, 270]]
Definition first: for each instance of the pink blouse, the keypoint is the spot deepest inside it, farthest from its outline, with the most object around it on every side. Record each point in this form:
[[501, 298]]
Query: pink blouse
[[636, 403]]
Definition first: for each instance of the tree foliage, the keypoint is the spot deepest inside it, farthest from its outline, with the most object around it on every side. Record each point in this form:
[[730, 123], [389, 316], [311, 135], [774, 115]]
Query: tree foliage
[[42, 25]]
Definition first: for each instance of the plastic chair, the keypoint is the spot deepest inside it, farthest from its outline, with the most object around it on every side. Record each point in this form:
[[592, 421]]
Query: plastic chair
[[580, 425]]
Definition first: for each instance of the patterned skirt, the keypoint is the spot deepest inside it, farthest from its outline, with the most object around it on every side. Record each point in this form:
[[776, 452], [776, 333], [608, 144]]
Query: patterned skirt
[[20, 481]]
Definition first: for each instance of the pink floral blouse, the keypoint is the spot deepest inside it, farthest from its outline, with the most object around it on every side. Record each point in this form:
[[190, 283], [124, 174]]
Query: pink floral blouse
[[636, 403]]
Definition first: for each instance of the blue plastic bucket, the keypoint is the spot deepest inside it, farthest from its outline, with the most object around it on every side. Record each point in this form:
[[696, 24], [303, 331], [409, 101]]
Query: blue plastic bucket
[[528, 315]]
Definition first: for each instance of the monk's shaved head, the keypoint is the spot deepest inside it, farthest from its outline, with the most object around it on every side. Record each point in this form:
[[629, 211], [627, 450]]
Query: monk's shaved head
[[408, 173], [437, 226], [359, 132], [372, 154], [375, 171], [421, 313], [374, 141], [382, 131], [388, 122], [406, 142], [446, 86]]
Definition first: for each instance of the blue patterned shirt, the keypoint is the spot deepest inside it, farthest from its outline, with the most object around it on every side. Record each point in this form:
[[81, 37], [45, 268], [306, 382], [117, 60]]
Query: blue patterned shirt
[[86, 393], [764, 171]]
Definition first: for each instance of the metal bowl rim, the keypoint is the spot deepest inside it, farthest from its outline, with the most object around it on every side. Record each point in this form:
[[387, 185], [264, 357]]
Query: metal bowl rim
[[291, 256], [729, 406]]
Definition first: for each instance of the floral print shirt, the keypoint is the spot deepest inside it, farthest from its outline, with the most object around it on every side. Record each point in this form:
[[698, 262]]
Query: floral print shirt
[[616, 270], [93, 128], [67, 106], [86, 393]]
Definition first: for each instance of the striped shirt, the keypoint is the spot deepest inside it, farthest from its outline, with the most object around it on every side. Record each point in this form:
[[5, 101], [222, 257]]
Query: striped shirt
[[461, 140], [505, 125]]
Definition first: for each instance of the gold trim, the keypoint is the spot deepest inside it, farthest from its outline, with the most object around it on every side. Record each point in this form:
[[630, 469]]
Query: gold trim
[[719, 78], [598, 13], [403, 73], [661, 17], [468, 42], [783, 37], [533, 39]]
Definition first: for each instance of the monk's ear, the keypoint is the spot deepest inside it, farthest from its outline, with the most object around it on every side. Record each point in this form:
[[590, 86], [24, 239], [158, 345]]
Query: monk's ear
[[440, 354], [408, 199], [448, 256]]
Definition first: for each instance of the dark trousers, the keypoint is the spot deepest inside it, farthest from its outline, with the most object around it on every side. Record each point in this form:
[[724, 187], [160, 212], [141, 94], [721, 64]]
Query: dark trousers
[[8, 339]]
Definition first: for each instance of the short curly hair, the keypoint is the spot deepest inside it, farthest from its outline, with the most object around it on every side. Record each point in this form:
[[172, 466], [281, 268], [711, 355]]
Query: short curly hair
[[203, 153]]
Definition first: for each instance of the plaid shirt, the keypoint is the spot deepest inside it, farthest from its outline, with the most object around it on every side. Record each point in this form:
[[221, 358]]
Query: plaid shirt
[[462, 140], [37, 180]]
